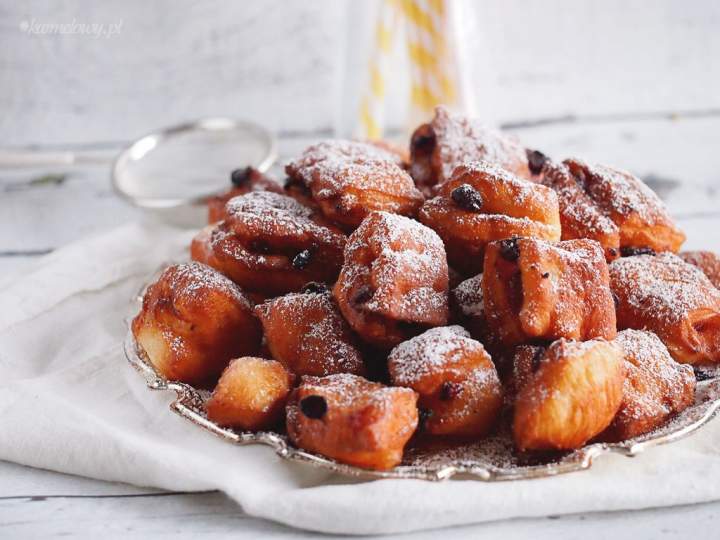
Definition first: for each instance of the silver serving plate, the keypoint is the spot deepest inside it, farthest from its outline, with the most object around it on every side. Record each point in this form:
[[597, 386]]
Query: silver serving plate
[[490, 460]]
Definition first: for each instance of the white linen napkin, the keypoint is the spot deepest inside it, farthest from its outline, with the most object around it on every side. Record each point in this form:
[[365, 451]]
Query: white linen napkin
[[70, 402]]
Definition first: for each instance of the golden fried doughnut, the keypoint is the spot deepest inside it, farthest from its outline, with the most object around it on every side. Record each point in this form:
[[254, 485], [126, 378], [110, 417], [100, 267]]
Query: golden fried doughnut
[[309, 336], [537, 290], [671, 298], [455, 378], [250, 394], [352, 420], [271, 244], [482, 203], [243, 181], [572, 396], [706, 261], [639, 214], [394, 282], [193, 321], [349, 179], [656, 387], [448, 141], [580, 216], [468, 307]]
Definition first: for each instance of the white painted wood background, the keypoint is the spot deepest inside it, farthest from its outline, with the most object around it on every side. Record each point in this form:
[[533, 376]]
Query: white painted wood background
[[630, 83]]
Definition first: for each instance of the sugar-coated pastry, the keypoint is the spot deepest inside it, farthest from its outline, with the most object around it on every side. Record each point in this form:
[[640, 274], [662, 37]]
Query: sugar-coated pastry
[[352, 420], [580, 216], [271, 244], [572, 396], [640, 216], [449, 140], [482, 203], [707, 261], [656, 387], [535, 290], [192, 322], [348, 180], [671, 298], [394, 282], [455, 378], [250, 395], [308, 335], [243, 181], [468, 307]]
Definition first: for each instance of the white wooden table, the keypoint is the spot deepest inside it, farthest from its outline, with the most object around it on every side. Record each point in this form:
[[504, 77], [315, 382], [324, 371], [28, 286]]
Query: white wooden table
[[41, 209]]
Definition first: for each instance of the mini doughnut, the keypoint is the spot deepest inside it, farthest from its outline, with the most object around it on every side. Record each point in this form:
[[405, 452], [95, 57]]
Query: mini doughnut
[[656, 387], [394, 283], [535, 290], [352, 420], [243, 181], [455, 378], [482, 203], [271, 244], [250, 394], [671, 298], [192, 322], [706, 261], [572, 396], [468, 307], [580, 216], [639, 214], [448, 141], [349, 179], [308, 335]]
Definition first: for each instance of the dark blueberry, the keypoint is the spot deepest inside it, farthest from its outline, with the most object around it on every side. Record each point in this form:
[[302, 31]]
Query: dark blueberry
[[423, 141], [536, 161], [313, 407], [363, 295], [509, 249], [613, 252], [467, 198], [240, 177], [450, 390], [546, 275], [302, 259], [628, 251], [703, 374], [314, 287]]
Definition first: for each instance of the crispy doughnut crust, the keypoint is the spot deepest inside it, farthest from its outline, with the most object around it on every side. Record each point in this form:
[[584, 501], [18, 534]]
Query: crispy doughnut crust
[[250, 180], [350, 179], [448, 141], [671, 298], [706, 261], [352, 420], [548, 291], [455, 379], [250, 394], [656, 387], [257, 245], [640, 215], [192, 322], [394, 282], [510, 207], [580, 216], [572, 397], [307, 333]]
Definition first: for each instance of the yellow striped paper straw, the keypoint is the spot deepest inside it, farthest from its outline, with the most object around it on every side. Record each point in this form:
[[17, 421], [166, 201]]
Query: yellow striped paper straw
[[432, 63], [372, 106]]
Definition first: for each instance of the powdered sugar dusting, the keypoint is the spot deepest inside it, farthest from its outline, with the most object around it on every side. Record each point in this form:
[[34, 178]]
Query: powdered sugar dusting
[[193, 281], [468, 296], [461, 140]]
